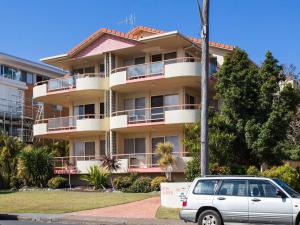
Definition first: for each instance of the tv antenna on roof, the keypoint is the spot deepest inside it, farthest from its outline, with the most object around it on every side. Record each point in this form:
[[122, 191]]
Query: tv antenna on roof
[[129, 20]]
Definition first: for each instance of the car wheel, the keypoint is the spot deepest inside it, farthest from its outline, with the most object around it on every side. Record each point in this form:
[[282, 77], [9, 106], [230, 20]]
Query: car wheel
[[209, 217]]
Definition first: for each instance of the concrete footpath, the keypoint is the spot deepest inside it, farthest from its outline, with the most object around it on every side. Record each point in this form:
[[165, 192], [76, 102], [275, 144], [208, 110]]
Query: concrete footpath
[[72, 219]]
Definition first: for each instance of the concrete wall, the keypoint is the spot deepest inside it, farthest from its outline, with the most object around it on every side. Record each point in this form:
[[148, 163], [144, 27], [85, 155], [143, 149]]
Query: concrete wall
[[172, 194]]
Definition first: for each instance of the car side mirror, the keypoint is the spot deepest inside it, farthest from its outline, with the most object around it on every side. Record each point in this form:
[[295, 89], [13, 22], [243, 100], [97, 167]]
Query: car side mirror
[[279, 193]]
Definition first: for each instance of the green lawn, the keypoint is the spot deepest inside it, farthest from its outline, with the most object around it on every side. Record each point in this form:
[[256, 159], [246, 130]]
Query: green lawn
[[62, 201], [167, 213]]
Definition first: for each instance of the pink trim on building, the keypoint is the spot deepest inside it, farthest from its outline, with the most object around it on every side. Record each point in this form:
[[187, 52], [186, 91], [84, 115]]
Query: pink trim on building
[[105, 43]]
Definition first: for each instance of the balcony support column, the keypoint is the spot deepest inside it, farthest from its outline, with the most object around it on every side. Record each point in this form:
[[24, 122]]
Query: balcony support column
[[97, 148], [71, 152]]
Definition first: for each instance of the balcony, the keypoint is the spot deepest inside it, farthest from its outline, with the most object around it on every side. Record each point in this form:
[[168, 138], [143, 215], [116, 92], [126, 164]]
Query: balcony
[[72, 126], [174, 68], [175, 114], [70, 88], [138, 162]]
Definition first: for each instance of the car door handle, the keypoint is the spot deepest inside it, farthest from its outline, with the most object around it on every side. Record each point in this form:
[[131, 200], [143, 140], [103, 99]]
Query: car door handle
[[255, 200], [221, 198]]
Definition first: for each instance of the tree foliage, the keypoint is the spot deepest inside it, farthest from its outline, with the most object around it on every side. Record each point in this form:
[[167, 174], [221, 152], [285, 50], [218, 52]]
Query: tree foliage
[[255, 107], [97, 177], [166, 159], [10, 147]]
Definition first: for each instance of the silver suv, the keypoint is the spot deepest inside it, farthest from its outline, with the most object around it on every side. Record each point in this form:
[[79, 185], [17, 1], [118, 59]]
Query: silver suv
[[240, 200]]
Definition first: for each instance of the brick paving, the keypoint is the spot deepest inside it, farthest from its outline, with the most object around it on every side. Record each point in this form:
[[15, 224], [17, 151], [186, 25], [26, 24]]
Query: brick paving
[[141, 209]]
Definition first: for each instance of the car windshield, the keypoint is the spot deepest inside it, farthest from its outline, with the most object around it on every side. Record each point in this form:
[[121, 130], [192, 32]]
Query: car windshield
[[287, 188]]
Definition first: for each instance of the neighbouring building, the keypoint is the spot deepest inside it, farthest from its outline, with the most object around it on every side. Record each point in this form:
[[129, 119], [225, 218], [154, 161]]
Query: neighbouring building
[[126, 92], [17, 109]]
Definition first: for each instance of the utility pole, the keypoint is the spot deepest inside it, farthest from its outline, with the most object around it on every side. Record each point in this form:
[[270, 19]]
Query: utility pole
[[204, 16]]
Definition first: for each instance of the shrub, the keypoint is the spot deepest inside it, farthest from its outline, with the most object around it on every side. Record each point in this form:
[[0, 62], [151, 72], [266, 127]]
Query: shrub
[[141, 185], [155, 183], [122, 183], [285, 173], [253, 171], [35, 166], [57, 182], [97, 177], [215, 169], [192, 169]]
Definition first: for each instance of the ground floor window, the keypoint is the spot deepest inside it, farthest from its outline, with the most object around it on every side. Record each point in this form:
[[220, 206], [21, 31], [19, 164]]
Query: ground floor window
[[134, 145], [86, 149], [102, 147]]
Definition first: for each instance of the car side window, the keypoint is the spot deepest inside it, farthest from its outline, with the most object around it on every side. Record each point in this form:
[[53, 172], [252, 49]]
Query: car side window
[[233, 188], [262, 188], [205, 187]]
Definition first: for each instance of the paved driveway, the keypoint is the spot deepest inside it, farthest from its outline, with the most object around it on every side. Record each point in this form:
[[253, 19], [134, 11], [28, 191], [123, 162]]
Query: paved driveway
[[141, 209]]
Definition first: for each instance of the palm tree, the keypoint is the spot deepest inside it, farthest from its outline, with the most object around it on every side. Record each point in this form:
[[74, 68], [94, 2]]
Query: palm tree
[[111, 164], [166, 159]]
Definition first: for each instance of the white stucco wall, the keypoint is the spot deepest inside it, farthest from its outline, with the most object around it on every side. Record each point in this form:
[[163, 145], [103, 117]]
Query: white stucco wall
[[92, 83], [118, 122], [40, 129], [39, 91], [182, 116], [117, 78], [91, 125], [183, 69]]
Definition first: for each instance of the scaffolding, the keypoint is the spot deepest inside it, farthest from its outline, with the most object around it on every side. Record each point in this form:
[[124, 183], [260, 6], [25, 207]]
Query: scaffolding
[[17, 116]]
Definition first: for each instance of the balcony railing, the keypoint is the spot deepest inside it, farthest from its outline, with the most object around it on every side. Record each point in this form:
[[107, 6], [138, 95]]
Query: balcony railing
[[67, 123], [151, 69], [154, 114], [135, 160], [68, 82]]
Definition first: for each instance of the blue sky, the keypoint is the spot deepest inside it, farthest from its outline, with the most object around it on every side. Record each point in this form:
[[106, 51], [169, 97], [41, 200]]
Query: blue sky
[[34, 29]]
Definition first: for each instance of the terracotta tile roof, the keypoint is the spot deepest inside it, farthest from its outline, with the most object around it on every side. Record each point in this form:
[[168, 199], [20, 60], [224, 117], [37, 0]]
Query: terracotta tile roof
[[213, 44], [132, 36], [135, 30], [99, 33]]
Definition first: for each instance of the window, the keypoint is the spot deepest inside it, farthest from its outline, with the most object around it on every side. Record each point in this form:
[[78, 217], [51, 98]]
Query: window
[[102, 109], [156, 58], [139, 60], [136, 107], [213, 64], [171, 55], [173, 139], [82, 110], [134, 145], [189, 101], [89, 70], [205, 187], [233, 188], [29, 79], [287, 188], [171, 100], [85, 149], [102, 147], [262, 188], [101, 68], [23, 76], [39, 78]]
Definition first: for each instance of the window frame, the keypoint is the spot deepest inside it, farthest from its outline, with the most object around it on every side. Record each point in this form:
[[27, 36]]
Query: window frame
[[277, 188], [216, 189], [221, 182]]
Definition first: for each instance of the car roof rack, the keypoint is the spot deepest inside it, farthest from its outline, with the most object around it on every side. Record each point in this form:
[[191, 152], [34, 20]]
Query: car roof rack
[[230, 176]]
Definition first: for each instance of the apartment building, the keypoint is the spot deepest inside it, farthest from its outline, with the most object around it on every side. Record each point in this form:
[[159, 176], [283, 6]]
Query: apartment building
[[126, 92], [17, 110]]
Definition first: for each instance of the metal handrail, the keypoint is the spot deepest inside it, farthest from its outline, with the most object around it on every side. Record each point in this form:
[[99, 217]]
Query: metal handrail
[[165, 108], [150, 159], [168, 61], [76, 76], [78, 117]]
